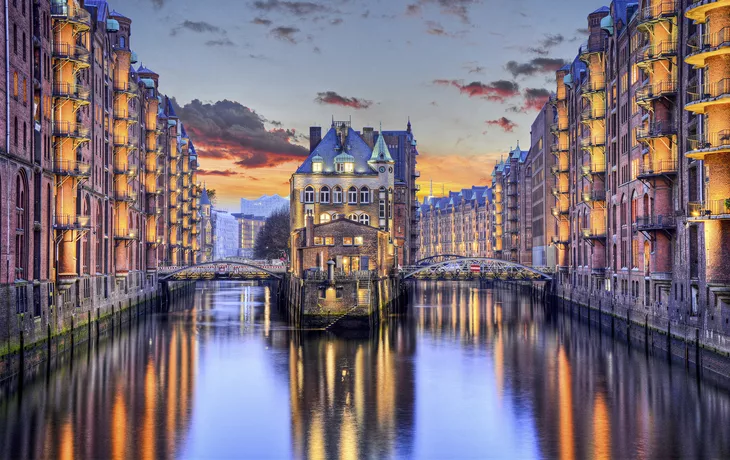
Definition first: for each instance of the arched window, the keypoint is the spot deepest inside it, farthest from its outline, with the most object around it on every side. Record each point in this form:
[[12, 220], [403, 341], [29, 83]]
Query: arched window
[[352, 195], [365, 219], [364, 195], [324, 218], [324, 195], [15, 84], [353, 216], [21, 226], [309, 194], [337, 195], [25, 91]]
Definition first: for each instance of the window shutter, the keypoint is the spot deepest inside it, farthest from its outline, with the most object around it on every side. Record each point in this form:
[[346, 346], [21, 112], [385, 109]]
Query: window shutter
[[301, 196]]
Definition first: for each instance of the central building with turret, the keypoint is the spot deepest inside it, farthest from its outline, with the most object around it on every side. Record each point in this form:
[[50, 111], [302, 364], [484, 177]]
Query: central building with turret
[[342, 204]]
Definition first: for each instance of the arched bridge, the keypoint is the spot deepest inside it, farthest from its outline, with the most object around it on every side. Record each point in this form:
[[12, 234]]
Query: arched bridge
[[436, 259], [466, 268], [223, 270]]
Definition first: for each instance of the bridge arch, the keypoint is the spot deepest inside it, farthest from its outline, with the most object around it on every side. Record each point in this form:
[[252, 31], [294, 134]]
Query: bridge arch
[[436, 259], [263, 272], [490, 268]]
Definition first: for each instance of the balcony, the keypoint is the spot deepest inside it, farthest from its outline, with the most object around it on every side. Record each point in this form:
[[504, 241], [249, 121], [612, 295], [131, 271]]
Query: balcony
[[589, 143], [654, 223], [699, 146], [72, 168], [558, 147], [699, 98], [657, 12], [560, 241], [594, 44], [558, 126], [593, 169], [656, 130], [559, 169], [126, 115], [72, 53], [78, 93], [590, 114], [698, 9], [70, 130], [125, 234], [76, 16], [594, 196], [129, 88], [709, 210], [71, 222], [594, 83], [127, 142], [559, 190], [650, 92], [655, 52], [125, 196], [649, 170], [593, 233], [708, 45], [126, 170], [560, 211]]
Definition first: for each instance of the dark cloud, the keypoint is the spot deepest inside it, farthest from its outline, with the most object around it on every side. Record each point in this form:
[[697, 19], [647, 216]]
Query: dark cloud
[[459, 8], [229, 130], [261, 22], [413, 10], [535, 98], [585, 31], [217, 172], [317, 50], [366, 14], [473, 67], [294, 8], [220, 42], [158, 3], [197, 27], [534, 66], [551, 41], [499, 90], [435, 28], [505, 123], [332, 98], [336, 21], [285, 34]]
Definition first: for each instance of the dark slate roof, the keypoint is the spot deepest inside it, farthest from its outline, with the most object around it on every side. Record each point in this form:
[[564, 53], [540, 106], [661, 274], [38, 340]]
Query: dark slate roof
[[183, 132], [204, 199], [603, 9], [102, 8], [329, 147], [170, 108], [143, 69], [116, 14]]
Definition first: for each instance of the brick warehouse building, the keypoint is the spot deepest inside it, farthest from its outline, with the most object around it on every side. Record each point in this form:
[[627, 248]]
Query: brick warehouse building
[[642, 140], [98, 166]]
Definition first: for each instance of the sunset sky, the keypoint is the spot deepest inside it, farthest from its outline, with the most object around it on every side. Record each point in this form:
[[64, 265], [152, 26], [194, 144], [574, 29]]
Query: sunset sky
[[250, 77]]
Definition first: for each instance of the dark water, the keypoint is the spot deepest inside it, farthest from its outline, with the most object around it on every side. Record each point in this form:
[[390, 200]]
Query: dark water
[[467, 373]]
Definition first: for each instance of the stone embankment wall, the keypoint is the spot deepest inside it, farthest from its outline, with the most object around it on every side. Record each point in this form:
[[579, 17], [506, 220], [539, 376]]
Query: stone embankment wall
[[29, 336]]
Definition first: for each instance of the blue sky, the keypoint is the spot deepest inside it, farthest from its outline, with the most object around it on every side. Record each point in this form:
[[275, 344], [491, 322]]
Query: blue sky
[[292, 64]]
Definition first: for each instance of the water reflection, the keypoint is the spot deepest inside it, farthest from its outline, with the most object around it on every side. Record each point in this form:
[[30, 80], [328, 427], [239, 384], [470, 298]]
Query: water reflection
[[468, 372]]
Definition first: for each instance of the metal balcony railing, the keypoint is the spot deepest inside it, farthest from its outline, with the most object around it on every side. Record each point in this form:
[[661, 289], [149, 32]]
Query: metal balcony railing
[[709, 141], [125, 87], [594, 82], [560, 190], [593, 168], [709, 91], [710, 41], [656, 129], [593, 233], [125, 141], [122, 233], [125, 196], [594, 44], [126, 169], [661, 50], [71, 91], [591, 113], [654, 222], [71, 222], [558, 147], [71, 168], [128, 115], [652, 91], [709, 209], [657, 168], [594, 195], [658, 10], [77, 15], [71, 52], [70, 129]]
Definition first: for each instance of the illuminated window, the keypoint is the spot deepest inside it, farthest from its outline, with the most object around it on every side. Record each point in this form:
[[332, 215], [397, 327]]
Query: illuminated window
[[329, 240], [349, 167], [337, 195], [358, 241], [365, 219], [324, 218], [317, 167], [324, 195], [15, 84], [353, 216], [347, 241], [318, 241], [352, 195]]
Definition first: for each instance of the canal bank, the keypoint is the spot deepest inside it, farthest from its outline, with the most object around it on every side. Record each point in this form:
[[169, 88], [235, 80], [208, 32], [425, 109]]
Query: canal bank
[[28, 338], [687, 338]]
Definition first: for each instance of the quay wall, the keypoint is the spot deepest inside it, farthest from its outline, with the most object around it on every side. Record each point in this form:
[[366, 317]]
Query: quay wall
[[57, 319]]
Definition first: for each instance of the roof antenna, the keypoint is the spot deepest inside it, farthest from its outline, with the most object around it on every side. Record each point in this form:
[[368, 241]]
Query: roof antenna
[[431, 189], [333, 121]]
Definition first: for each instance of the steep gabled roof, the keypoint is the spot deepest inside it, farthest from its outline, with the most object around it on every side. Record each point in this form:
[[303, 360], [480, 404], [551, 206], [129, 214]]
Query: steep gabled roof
[[329, 148]]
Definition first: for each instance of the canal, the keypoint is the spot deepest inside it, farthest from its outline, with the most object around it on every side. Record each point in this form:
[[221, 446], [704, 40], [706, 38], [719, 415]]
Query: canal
[[467, 372]]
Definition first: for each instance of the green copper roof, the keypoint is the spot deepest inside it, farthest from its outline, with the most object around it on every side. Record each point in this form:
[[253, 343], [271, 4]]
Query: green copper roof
[[344, 158], [381, 152], [317, 158]]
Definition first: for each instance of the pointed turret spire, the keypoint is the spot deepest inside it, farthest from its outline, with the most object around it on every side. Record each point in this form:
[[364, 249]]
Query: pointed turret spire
[[381, 153], [409, 125]]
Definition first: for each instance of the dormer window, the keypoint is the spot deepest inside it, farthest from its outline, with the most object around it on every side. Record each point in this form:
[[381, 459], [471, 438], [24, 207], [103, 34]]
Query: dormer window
[[317, 167], [344, 163]]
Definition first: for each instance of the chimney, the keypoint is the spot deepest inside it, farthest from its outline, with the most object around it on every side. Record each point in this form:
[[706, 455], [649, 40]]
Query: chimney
[[309, 231], [367, 136], [315, 136]]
